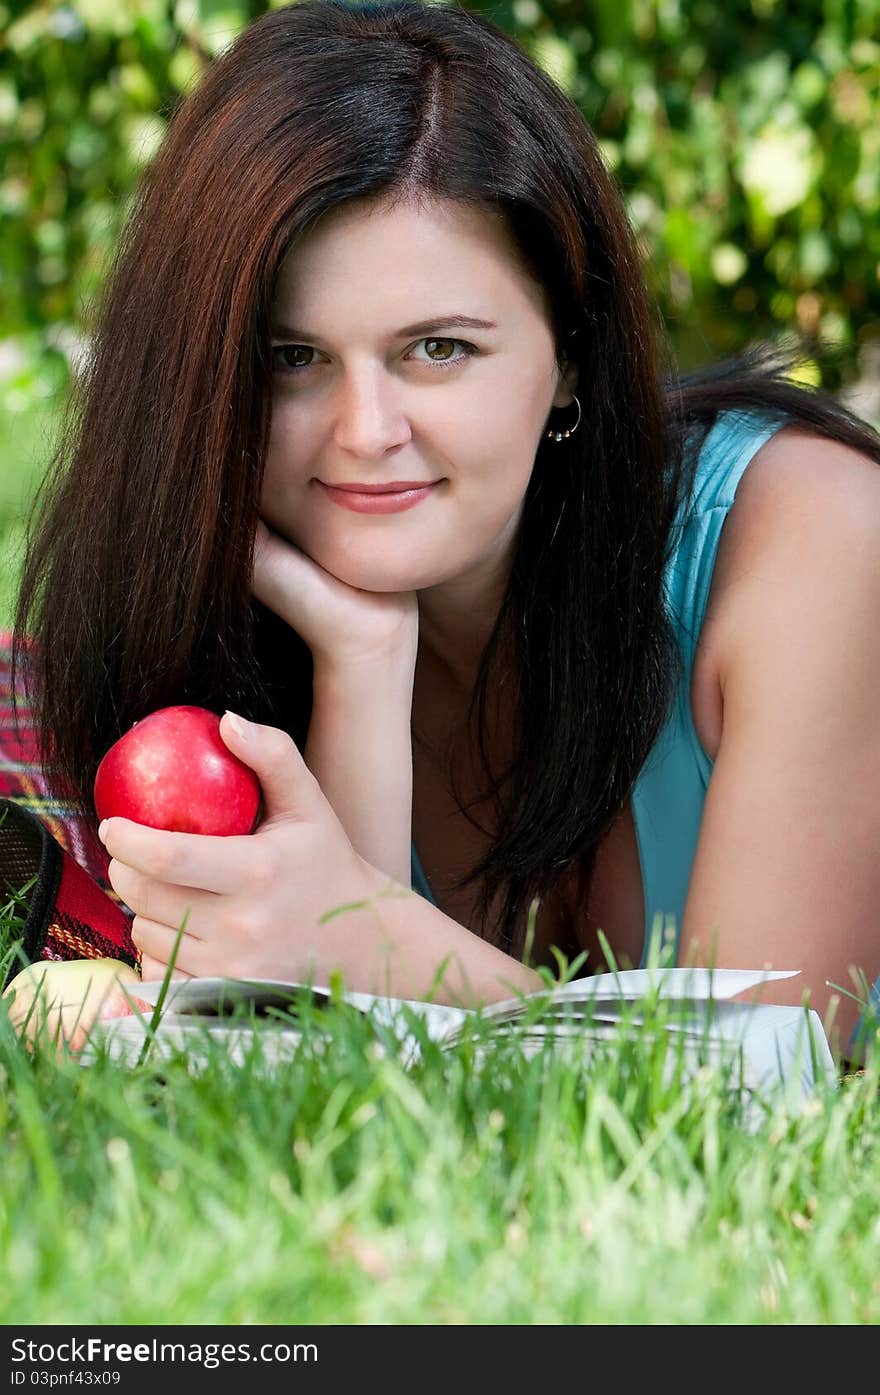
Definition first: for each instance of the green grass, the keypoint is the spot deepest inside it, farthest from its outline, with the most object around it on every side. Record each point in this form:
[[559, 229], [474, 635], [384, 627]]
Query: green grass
[[25, 449], [474, 1187]]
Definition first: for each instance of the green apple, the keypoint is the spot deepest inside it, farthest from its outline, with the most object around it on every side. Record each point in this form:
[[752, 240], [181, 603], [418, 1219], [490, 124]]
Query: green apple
[[64, 998]]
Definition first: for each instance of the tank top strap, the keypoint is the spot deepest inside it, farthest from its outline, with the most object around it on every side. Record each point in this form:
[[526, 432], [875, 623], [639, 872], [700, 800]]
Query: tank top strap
[[670, 791]]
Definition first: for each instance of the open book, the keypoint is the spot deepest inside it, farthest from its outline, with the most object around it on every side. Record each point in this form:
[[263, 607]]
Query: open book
[[773, 1045]]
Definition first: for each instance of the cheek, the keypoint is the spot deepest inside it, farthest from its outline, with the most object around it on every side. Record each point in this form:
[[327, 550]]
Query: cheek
[[284, 475], [498, 482], [492, 526], [516, 437], [281, 437]]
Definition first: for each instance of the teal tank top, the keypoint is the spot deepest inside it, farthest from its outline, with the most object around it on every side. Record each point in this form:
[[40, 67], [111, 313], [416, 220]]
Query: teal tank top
[[671, 788]]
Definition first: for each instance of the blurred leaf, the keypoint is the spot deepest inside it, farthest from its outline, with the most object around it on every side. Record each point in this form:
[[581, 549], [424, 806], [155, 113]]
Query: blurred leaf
[[778, 167], [556, 57], [8, 101], [135, 82], [806, 373], [49, 236], [815, 254], [184, 69], [143, 135], [85, 145], [809, 84], [680, 233], [729, 263], [220, 21], [105, 16]]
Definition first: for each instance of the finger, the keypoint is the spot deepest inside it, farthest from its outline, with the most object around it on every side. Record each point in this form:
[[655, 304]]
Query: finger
[[279, 570], [260, 577], [289, 787], [169, 905], [156, 943], [154, 972], [200, 860]]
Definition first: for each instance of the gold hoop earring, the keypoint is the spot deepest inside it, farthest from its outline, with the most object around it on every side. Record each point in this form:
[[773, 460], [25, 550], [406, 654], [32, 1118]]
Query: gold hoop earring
[[564, 435]]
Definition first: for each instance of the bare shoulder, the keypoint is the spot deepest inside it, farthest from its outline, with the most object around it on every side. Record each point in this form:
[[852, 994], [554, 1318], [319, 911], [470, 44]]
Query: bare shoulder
[[786, 867], [805, 507], [799, 467]]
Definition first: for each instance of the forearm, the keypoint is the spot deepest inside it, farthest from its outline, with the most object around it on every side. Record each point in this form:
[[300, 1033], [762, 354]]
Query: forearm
[[395, 943], [359, 749]]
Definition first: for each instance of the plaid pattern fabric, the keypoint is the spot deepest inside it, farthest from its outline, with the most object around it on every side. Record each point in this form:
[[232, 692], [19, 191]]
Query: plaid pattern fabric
[[72, 910]]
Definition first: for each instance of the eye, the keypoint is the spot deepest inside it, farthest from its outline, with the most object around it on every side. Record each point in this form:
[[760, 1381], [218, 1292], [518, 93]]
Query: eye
[[469, 350], [294, 368], [291, 349]]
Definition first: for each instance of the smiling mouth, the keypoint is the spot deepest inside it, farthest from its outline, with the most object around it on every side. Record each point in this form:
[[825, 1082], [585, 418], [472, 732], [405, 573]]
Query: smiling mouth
[[382, 501], [398, 487]]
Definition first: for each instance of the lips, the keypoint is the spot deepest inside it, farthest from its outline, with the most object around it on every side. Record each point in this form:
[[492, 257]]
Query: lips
[[395, 487], [384, 500]]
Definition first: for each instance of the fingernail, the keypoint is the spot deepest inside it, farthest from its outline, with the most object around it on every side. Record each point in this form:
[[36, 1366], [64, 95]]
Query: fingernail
[[239, 725], [102, 830]]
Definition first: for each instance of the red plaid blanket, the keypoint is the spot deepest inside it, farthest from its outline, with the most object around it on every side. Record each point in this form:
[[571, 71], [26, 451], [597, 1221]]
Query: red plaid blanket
[[75, 913]]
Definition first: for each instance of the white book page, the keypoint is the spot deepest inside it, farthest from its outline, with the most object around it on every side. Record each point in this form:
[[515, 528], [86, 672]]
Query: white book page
[[195, 994], [205, 996], [629, 985]]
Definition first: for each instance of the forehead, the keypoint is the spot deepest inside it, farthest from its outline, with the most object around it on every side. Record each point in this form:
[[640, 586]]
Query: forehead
[[408, 257]]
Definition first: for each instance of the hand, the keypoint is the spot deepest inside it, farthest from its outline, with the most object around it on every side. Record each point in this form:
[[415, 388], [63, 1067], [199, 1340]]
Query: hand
[[342, 625], [255, 901]]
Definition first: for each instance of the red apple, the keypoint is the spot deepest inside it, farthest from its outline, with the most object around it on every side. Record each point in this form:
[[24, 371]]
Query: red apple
[[172, 770]]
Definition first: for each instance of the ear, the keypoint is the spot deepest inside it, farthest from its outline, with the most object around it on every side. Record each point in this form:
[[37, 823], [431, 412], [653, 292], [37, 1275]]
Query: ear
[[566, 383]]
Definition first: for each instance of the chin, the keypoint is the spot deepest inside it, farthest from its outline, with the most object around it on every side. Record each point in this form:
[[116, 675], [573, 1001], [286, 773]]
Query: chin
[[381, 579], [389, 570]]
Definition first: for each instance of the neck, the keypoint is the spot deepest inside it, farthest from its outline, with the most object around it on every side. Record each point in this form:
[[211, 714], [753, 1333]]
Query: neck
[[444, 682], [456, 620]]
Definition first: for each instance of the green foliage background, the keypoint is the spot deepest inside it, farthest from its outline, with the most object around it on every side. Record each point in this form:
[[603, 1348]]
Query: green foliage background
[[744, 133]]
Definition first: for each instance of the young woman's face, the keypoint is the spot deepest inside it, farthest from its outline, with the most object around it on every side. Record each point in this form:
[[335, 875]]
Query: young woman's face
[[361, 397]]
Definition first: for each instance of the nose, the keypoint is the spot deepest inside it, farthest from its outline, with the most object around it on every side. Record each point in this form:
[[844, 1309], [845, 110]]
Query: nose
[[368, 417]]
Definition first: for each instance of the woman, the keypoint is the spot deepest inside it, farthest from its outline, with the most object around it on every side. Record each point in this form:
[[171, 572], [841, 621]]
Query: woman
[[598, 592]]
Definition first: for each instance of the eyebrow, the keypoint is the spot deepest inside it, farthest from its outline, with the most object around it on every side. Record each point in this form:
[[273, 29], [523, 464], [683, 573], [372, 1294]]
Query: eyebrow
[[280, 331]]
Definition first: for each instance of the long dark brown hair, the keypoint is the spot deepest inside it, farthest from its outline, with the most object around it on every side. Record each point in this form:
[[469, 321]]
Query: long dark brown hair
[[136, 588]]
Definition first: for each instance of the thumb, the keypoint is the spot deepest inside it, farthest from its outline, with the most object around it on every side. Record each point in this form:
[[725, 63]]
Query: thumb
[[289, 787]]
